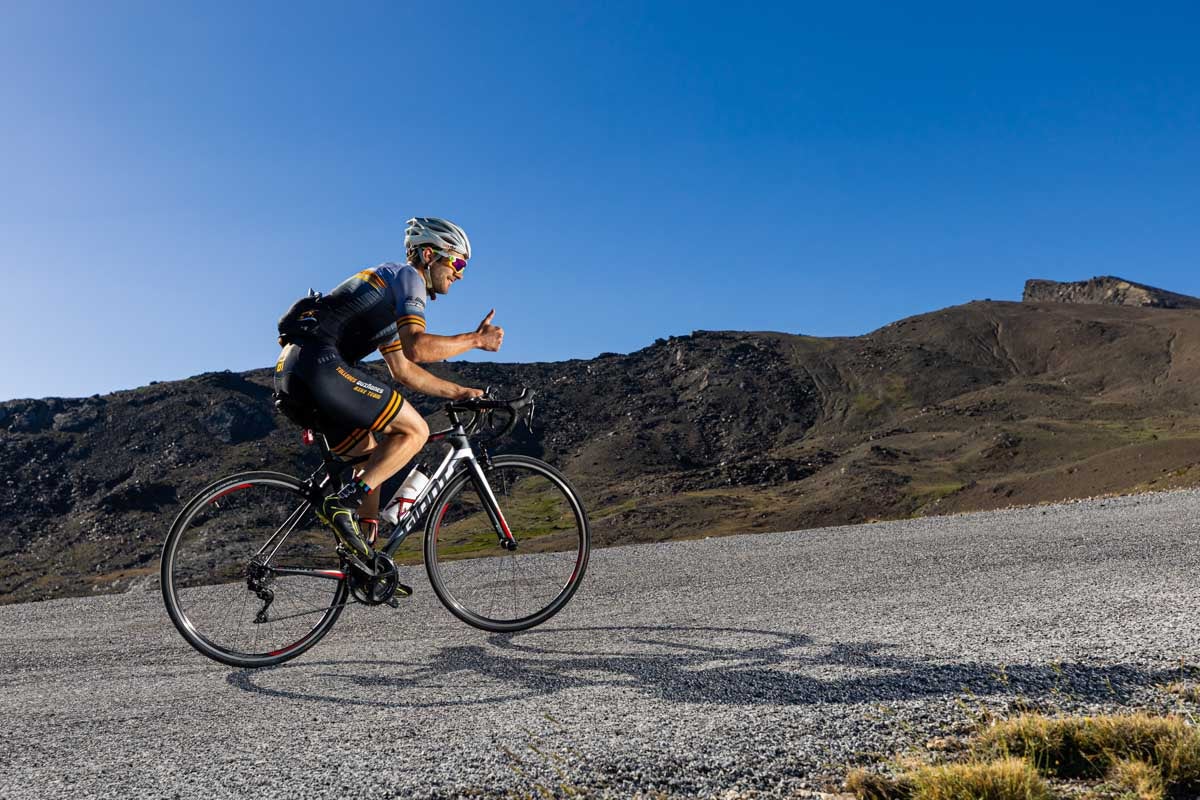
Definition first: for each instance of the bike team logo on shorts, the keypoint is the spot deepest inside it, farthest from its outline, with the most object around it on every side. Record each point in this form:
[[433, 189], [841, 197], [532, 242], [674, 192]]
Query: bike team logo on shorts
[[362, 387]]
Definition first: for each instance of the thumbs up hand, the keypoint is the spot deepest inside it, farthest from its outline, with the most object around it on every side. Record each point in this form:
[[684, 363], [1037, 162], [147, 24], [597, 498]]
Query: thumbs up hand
[[490, 336]]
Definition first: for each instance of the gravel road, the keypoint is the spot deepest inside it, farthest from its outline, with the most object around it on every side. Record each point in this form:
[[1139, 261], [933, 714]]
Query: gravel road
[[762, 663]]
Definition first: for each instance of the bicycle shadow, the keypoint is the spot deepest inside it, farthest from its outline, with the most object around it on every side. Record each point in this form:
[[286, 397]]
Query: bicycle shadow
[[681, 665]]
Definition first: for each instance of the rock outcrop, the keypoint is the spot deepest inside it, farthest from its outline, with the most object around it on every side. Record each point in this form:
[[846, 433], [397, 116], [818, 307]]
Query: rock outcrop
[[1106, 290]]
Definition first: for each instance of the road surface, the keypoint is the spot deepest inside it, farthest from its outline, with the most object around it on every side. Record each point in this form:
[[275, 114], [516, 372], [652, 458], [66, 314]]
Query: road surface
[[763, 663]]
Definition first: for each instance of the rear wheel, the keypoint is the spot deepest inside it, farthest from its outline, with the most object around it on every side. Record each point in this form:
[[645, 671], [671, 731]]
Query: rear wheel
[[249, 574], [480, 581]]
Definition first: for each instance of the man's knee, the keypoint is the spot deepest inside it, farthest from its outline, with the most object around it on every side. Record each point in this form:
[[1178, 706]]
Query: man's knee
[[420, 429], [409, 423]]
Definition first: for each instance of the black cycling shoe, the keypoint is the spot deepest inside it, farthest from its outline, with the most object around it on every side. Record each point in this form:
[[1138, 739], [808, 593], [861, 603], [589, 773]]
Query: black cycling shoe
[[341, 519]]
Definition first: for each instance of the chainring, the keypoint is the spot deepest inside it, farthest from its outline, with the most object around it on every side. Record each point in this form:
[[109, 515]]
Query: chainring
[[377, 589]]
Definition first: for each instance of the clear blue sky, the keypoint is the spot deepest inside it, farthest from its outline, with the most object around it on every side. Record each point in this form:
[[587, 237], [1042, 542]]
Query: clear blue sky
[[174, 176]]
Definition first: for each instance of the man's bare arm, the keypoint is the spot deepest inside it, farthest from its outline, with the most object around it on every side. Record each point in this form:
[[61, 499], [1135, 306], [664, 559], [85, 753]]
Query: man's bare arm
[[428, 347], [425, 382]]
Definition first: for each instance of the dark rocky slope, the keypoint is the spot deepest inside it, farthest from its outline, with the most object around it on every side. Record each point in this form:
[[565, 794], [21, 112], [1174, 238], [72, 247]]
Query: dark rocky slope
[[972, 407]]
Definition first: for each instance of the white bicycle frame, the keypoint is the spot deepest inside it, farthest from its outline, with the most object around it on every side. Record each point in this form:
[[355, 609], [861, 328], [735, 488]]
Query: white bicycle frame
[[460, 453]]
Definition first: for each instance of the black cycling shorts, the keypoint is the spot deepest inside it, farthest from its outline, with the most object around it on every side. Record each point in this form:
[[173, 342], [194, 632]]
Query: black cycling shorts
[[349, 402]]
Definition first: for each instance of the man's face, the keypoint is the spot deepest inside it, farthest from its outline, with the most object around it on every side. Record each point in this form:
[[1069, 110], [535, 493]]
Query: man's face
[[443, 271]]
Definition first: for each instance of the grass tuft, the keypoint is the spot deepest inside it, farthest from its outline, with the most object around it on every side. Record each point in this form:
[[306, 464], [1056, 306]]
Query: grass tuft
[[1084, 747], [1144, 781], [1092, 747], [1003, 779], [872, 786], [1185, 691], [1135, 756], [999, 779]]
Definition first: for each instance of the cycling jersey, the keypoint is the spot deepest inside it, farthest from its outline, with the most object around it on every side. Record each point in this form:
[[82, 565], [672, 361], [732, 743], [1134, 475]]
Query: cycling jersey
[[364, 311], [333, 333]]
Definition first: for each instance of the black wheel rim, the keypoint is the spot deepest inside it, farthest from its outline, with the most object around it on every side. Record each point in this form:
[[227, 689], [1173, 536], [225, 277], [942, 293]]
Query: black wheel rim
[[250, 575]]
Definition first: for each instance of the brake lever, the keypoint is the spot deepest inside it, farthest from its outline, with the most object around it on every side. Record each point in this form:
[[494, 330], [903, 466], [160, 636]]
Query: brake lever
[[529, 416]]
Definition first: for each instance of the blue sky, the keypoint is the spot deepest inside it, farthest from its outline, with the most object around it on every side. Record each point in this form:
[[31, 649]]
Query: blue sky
[[175, 175]]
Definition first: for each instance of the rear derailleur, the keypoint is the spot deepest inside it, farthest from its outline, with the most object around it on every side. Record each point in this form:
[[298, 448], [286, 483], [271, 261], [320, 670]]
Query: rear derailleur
[[258, 581]]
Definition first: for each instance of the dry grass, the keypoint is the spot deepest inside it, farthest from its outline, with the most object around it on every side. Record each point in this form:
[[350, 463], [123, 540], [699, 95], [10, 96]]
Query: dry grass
[[1125, 756], [1185, 691], [1089, 747], [1144, 781], [1000, 779], [871, 786]]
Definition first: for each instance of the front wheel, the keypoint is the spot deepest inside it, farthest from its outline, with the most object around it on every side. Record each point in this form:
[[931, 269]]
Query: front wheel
[[498, 589], [249, 574]]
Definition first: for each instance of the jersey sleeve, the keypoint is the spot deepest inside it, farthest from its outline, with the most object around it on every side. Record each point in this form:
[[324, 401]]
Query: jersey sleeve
[[391, 347], [410, 299]]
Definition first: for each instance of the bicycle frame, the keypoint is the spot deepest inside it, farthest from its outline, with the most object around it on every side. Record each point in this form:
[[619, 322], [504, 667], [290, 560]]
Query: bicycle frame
[[461, 453]]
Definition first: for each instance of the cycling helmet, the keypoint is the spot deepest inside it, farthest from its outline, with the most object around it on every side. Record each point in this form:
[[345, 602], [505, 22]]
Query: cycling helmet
[[440, 233]]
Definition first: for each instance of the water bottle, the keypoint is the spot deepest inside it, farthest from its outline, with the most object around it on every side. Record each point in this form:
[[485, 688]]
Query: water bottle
[[404, 497]]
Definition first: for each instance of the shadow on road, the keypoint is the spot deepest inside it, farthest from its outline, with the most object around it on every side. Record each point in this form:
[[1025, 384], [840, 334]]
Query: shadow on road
[[709, 665]]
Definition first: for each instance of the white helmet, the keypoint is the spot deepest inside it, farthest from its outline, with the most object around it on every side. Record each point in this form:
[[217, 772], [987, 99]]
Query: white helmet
[[441, 233]]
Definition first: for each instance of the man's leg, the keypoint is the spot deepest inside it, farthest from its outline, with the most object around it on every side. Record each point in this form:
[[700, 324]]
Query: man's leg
[[368, 512], [370, 506], [405, 437], [407, 433]]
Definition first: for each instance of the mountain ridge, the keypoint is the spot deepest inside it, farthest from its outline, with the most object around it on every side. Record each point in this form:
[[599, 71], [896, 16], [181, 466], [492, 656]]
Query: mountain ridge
[[975, 406]]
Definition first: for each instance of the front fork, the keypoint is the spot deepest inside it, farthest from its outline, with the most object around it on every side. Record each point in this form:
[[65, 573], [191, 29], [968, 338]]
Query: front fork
[[503, 534]]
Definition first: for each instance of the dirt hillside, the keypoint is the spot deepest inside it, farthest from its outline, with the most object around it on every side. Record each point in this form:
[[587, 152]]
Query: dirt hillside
[[972, 407]]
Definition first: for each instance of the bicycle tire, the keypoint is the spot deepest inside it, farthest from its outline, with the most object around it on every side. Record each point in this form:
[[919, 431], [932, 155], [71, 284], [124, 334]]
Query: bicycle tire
[[468, 513], [204, 569]]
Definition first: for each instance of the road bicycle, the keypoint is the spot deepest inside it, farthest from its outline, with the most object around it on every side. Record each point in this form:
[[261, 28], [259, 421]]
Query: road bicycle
[[252, 578]]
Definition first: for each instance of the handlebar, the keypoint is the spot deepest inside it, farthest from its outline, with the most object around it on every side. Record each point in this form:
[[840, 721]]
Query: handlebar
[[479, 407]]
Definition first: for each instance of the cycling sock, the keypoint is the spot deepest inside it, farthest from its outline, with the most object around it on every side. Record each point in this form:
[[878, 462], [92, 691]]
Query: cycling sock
[[352, 494]]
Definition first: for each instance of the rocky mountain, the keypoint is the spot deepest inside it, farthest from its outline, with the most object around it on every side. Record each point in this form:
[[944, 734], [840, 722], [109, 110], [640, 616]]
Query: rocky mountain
[[972, 407], [1106, 290]]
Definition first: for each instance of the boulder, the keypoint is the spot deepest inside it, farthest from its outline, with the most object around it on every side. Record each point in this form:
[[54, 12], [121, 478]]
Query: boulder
[[30, 416], [237, 420], [77, 419]]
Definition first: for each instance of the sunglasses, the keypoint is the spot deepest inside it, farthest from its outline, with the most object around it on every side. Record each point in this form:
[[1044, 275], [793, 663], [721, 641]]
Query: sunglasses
[[457, 264]]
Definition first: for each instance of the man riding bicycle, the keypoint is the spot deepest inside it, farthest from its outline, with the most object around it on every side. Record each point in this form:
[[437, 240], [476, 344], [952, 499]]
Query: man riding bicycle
[[382, 309]]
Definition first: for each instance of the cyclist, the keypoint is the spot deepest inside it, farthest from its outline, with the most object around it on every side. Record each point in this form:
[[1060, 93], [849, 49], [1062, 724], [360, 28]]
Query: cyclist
[[382, 309]]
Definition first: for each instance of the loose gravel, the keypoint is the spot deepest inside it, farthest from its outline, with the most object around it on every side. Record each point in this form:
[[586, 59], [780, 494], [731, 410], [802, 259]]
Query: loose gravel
[[762, 664]]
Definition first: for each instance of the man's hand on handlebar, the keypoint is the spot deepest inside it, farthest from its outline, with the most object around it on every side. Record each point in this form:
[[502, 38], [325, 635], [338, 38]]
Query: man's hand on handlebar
[[466, 393]]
